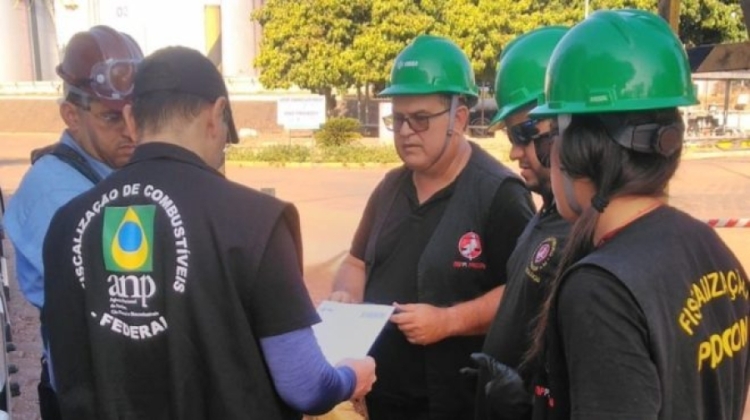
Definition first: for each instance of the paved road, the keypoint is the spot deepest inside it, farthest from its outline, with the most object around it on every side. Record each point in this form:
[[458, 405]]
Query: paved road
[[330, 201]]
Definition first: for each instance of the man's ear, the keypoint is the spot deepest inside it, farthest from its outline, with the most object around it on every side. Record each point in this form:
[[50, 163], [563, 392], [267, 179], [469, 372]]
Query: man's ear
[[69, 113], [217, 123], [127, 115], [462, 118]]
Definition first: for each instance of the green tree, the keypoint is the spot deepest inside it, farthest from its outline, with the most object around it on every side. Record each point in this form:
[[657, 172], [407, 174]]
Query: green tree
[[323, 45], [701, 21], [305, 43], [393, 24], [711, 22], [481, 28]]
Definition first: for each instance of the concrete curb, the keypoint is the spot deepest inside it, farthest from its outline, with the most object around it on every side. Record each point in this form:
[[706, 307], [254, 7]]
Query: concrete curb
[[692, 155]]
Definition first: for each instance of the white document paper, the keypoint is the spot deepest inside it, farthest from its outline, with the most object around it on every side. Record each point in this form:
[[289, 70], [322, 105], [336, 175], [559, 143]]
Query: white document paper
[[348, 330]]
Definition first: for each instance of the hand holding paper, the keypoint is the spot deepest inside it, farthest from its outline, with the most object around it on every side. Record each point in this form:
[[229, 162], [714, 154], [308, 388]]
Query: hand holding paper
[[422, 324], [348, 330]]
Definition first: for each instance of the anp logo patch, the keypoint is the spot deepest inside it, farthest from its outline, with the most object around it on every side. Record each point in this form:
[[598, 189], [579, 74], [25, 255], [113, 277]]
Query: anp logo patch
[[128, 238]]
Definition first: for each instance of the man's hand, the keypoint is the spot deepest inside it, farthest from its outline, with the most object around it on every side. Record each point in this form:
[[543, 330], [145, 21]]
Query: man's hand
[[364, 369], [421, 323]]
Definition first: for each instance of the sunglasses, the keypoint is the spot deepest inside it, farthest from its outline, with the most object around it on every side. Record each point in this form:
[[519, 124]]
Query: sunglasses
[[417, 122], [524, 133]]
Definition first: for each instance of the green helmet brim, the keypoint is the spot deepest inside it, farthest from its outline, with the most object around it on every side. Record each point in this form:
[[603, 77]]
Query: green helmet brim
[[552, 109], [407, 90]]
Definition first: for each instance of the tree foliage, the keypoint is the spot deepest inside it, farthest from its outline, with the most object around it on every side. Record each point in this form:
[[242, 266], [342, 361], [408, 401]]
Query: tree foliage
[[393, 23], [711, 22], [305, 42], [333, 44]]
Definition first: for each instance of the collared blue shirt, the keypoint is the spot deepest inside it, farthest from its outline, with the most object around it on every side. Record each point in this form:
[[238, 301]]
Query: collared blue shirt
[[47, 185]]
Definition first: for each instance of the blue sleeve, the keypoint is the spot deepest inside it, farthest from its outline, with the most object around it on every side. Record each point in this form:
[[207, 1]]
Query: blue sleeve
[[302, 376], [47, 186]]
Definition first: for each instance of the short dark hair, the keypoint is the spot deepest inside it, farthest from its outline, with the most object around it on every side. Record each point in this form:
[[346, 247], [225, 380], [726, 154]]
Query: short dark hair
[[155, 110]]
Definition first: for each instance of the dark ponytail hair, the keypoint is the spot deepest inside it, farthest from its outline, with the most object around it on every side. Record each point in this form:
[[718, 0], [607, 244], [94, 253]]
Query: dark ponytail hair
[[589, 151]]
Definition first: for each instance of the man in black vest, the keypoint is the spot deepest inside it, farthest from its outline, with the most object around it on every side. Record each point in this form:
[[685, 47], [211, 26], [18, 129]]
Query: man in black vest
[[97, 72], [179, 294], [433, 240], [503, 394]]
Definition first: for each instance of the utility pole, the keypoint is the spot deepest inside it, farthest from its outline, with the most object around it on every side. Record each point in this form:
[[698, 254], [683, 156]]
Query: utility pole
[[34, 34], [670, 11], [745, 6]]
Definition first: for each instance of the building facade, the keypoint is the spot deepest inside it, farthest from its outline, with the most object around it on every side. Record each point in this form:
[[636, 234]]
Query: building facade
[[222, 29]]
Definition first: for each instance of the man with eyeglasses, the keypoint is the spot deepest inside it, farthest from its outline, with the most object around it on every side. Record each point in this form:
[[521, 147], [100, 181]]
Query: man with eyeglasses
[[503, 391], [97, 71], [433, 240]]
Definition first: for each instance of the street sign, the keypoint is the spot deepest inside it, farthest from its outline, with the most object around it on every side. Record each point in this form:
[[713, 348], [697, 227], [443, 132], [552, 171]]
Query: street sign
[[301, 112]]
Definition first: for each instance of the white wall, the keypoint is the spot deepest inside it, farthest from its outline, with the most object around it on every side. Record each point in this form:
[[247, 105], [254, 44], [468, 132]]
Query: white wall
[[15, 53], [72, 16], [48, 50], [240, 39], [153, 23], [157, 23], [21, 58]]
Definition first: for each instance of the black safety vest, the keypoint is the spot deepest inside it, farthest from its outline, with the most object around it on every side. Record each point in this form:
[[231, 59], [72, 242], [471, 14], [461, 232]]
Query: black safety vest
[[70, 156], [172, 338], [531, 268], [694, 295], [445, 276]]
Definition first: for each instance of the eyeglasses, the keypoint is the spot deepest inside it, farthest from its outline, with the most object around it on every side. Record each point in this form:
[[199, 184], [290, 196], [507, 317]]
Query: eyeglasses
[[524, 133], [417, 122], [109, 118]]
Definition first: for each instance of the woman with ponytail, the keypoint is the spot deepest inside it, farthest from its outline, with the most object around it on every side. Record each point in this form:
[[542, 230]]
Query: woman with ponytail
[[647, 315]]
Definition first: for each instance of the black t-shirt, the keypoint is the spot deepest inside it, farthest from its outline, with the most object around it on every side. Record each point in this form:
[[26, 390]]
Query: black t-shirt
[[531, 268], [606, 341], [405, 234], [160, 283], [650, 325]]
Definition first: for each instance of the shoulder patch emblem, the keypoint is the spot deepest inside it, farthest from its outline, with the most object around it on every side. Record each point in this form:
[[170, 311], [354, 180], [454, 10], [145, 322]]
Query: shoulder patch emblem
[[544, 252], [470, 245]]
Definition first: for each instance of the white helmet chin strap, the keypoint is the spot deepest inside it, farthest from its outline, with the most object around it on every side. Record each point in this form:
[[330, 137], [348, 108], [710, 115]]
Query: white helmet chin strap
[[563, 122], [449, 132]]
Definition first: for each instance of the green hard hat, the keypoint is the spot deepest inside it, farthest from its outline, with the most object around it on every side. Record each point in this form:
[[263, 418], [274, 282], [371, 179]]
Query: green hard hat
[[617, 60], [521, 68], [431, 64]]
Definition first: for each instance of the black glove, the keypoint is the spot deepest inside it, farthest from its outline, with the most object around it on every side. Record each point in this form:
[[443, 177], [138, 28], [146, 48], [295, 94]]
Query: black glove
[[506, 396]]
